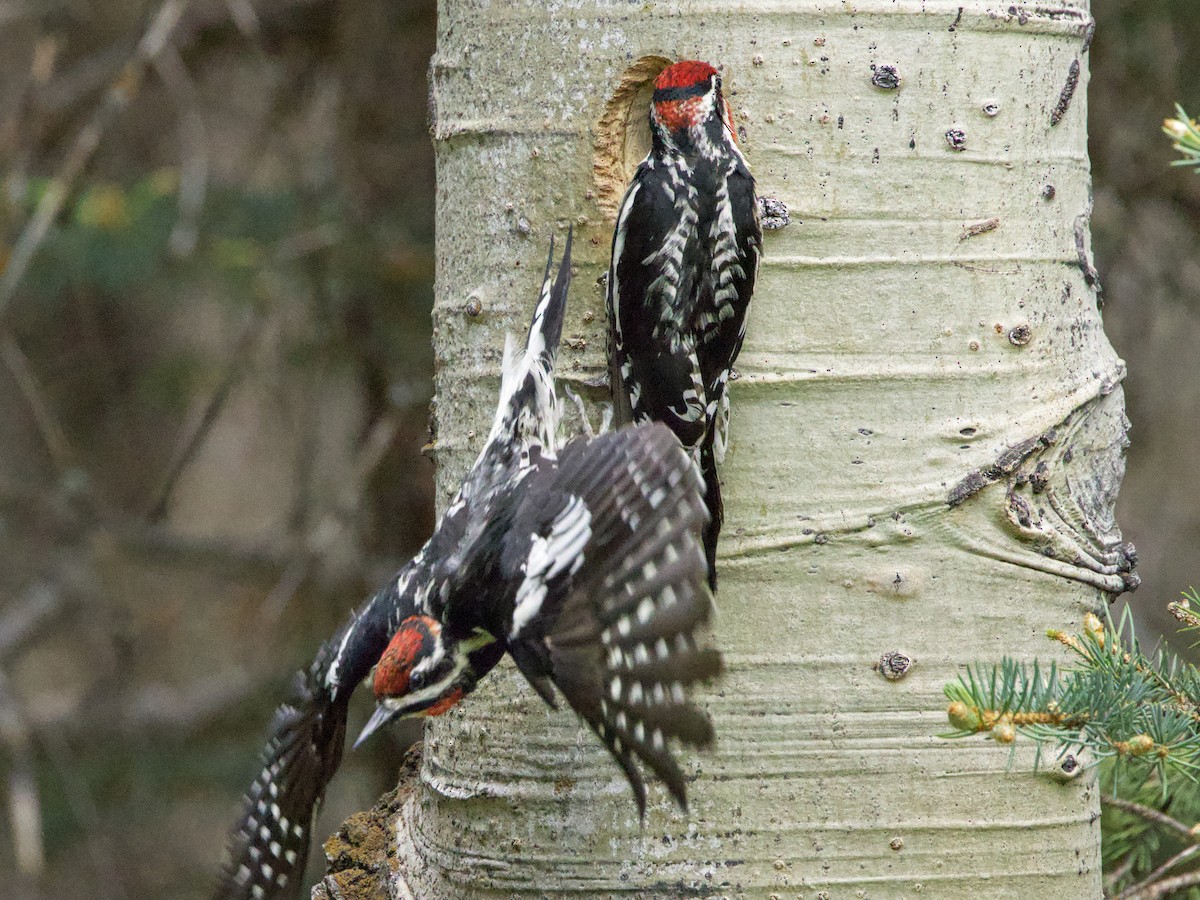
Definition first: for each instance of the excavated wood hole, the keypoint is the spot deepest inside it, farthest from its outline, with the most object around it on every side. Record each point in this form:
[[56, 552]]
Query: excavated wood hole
[[623, 133]]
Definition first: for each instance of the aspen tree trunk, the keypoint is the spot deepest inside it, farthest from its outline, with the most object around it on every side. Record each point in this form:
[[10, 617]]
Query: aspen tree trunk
[[927, 440]]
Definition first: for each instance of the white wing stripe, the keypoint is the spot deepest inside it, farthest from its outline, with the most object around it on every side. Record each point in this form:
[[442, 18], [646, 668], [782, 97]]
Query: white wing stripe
[[561, 550]]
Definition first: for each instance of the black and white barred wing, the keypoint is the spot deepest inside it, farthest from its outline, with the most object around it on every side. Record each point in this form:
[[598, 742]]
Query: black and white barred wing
[[737, 253], [269, 846], [613, 598], [654, 368]]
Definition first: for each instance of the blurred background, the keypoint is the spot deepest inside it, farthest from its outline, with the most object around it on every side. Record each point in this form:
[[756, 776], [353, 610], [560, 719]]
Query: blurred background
[[216, 264]]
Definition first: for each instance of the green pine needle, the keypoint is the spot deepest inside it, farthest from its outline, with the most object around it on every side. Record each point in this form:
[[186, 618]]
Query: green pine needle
[[1186, 135], [1133, 715]]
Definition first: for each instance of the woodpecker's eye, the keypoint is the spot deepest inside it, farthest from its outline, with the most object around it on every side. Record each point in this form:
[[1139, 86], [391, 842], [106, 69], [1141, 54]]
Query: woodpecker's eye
[[416, 681]]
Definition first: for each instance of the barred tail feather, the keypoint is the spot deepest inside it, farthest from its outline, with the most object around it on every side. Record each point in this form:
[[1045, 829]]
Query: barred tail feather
[[527, 400], [268, 848], [716, 507], [545, 331], [626, 646]]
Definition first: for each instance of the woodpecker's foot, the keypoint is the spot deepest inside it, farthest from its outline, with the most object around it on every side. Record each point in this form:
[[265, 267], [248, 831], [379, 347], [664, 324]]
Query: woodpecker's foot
[[606, 415]]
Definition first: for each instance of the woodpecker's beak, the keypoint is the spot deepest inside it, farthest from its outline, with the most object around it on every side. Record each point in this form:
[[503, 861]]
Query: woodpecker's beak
[[382, 716]]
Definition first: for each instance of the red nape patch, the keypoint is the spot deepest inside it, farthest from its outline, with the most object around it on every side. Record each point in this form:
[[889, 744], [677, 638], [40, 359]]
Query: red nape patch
[[684, 74], [445, 703]]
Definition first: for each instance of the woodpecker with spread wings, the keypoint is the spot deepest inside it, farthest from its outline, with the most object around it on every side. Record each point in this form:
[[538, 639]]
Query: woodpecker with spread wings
[[584, 564], [685, 257]]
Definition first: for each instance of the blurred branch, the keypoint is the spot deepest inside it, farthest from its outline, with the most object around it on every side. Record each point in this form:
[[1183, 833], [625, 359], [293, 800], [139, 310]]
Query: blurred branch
[[310, 240], [1118, 874], [193, 144], [33, 614], [119, 93], [232, 558], [24, 804], [87, 814], [184, 711], [1149, 814], [331, 525], [160, 707], [1165, 888], [14, 12], [52, 433], [83, 77], [169, 547], [287, 249], [186, 450], [245, 18], [1149, 882], [21, 130]]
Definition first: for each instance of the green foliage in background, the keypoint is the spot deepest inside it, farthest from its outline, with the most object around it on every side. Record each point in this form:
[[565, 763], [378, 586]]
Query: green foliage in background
[[1184, 132], [1144, 852], [113, 239], [105, 283]]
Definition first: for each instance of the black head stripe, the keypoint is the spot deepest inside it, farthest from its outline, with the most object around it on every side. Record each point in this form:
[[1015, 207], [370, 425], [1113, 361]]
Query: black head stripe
[[698, 89]]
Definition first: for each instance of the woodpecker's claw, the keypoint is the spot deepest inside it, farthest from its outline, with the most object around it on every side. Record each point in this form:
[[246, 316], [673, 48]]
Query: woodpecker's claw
[[606, 414]]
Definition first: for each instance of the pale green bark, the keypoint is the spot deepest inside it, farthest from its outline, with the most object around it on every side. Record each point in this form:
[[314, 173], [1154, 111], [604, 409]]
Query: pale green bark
[[926, 311]]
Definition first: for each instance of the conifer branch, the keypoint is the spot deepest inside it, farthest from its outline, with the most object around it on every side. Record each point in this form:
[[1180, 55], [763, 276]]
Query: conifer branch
[[1137, 716], [1185, 131]]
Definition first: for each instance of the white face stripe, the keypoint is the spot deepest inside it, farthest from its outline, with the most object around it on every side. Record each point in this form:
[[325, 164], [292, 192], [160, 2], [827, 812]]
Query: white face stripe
[[427, 694], [431, 692], [432, 660]]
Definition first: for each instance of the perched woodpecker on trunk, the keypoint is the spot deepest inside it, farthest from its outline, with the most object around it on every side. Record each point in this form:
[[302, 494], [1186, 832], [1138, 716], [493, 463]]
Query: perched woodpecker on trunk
[[684, 258], [585, 566]]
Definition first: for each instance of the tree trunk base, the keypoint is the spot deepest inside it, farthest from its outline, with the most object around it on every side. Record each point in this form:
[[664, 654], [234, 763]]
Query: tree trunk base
[[360, 857]]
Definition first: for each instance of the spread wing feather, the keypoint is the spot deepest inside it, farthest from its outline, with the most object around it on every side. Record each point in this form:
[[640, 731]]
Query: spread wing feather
[[269, 846], [617, 625]]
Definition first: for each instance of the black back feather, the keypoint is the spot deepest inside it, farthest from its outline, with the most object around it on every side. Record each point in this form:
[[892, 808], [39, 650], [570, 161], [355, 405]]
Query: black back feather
[[665, 339]]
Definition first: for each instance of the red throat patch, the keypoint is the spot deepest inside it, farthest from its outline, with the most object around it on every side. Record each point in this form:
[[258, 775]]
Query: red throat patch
[[445, 703], [677, 115], [679, 94]]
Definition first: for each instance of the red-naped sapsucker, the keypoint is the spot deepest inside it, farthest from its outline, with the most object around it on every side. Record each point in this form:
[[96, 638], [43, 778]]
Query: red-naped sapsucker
[[684, 258], [584, 564]]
